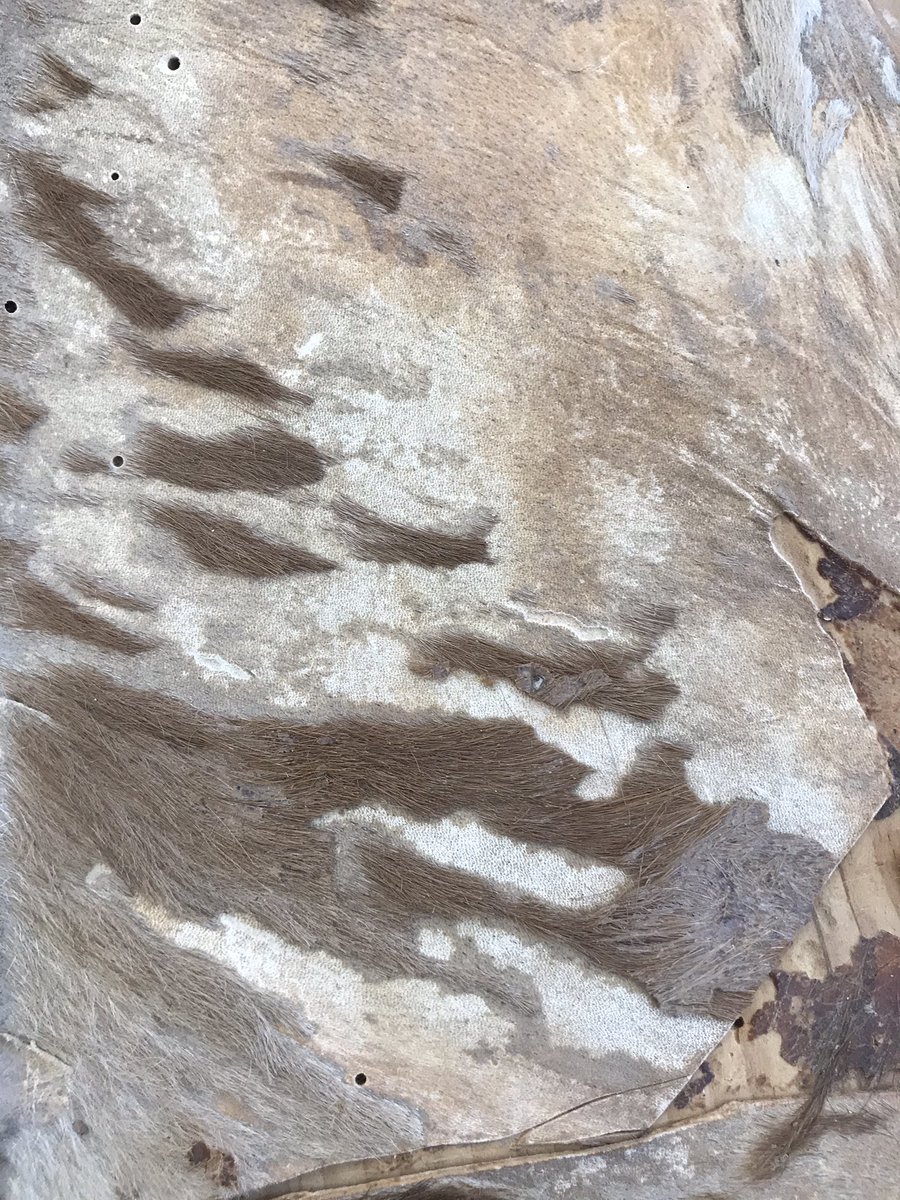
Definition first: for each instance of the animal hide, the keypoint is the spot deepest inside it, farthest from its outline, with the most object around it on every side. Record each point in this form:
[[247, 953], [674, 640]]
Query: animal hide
[[414, 732]]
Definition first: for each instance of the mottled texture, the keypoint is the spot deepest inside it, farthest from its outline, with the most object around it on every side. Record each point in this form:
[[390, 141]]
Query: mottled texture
[[480, 745]]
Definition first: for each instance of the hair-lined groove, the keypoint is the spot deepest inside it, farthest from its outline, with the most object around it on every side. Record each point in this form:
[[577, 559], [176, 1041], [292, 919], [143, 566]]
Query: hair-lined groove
[[378, 540], [230, 547]]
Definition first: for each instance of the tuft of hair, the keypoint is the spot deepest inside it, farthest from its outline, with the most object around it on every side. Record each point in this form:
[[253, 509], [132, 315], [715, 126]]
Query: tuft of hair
[[377, 540], [563, 672], [347, 8], [31, 605], [229, 547], [370, 180], [266, 460], [56, 210], [17, 414], [82, 460], [54, 85], [107, 593], [229, 373]]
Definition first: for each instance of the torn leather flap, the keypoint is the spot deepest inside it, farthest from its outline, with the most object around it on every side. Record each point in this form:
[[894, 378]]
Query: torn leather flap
[[412, 735]]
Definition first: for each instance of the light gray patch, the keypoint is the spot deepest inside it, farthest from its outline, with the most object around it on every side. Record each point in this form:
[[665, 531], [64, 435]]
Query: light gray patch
[[783, 88]]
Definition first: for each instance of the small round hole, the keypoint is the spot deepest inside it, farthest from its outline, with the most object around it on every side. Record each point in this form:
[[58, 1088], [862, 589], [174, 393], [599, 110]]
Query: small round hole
[[118, 460], [135, 18], [360, 1078], [739, 1023], [11, 306], [114, 175], [174, 63]]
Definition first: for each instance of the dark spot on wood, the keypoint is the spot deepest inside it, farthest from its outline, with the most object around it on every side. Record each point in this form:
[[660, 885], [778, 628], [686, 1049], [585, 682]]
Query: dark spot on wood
[[804, 1012], [81, 1127], [857, 590], [373, 181], [703, 1076], [892, 804]]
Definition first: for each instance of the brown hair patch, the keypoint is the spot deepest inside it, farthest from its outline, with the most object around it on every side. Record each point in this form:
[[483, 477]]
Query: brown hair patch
[[370, 180], [107, 593], [373, 538], [567, 672], [266, 460], [55, 210], [229, 373], [55, 84], [229, 547], [18, 414], [31, 605]]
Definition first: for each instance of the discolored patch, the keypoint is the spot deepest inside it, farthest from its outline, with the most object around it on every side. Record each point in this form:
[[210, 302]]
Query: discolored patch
[[701, 1078], [845, 1024]]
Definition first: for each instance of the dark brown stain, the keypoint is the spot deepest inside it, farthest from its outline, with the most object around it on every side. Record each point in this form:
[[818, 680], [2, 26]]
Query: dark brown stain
[[568, 672], [265, 460], [370, 180], [219, 1165], [378, 540], [847, 1023], [699, 1081], [857, 590], [198, 1154], [55, 210], [805, 1012], [229, 547], [18, 414], [55, 84], [31, 605], [892, 804], [229, 373]]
